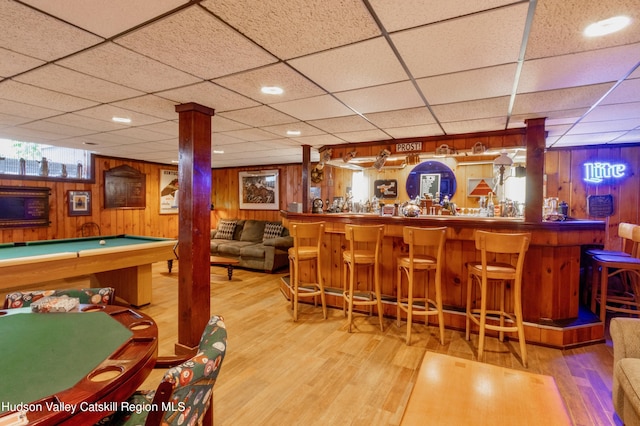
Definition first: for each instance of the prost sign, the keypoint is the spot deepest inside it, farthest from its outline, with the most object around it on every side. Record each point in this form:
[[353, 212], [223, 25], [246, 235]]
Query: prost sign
[[598, 172]]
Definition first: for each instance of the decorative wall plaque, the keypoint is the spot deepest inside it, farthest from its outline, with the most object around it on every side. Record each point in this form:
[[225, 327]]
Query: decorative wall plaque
[[124, 187], [600, 205]]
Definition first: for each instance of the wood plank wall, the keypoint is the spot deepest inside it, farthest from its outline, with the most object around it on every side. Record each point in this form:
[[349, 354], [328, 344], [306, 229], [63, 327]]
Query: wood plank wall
[[563, 169]]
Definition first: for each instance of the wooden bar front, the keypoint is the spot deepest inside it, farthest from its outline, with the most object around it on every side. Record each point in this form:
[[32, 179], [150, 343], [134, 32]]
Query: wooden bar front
[[551, 283]]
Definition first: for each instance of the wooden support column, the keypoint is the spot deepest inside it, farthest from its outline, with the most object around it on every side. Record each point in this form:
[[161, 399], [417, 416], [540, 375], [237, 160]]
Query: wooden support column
[[306, 187], [194, 203], [535, 143]]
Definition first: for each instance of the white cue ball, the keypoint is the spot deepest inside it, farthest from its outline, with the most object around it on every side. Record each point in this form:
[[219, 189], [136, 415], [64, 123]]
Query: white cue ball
[[102, 242]]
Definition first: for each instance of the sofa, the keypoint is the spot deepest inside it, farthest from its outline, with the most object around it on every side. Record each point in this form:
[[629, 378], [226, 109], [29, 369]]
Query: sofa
[[257, 244], [625, 335]]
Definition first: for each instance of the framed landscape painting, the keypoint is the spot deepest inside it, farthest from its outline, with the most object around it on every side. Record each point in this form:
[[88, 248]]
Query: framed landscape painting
[[259, 190]]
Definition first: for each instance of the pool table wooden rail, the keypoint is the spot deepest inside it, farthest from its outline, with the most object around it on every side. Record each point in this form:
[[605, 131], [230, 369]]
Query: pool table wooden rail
[[125, 268]]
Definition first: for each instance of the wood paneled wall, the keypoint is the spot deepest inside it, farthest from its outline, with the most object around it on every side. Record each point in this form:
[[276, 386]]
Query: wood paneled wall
[[147, 221], [563, 170]]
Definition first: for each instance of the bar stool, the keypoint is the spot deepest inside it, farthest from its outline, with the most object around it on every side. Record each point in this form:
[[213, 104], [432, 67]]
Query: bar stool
[[307, 240], [489, 270], [628, 268], [423, 240], [364, 250], [629, 249]]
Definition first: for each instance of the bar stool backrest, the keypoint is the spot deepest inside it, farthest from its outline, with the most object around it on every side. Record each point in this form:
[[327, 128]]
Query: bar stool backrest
[[625, 231], [425, 237], [356, 234], [493, 242], [307, 235]]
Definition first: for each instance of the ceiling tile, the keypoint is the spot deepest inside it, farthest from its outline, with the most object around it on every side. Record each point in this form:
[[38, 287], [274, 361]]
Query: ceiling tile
[[221, 124], [106, 18], [363, 136], [582, 140], [28, 94], [249, 83], [62, 130], [585, 127], [75, 120], [472, 126], [320, 140], [11, 120], [627, 91], [618, 111], [368, 63], [24, 110], [558, 25], [403, 117], [476, 41], [317, 107], [578, 69], [414, 131], [258, 116], [304, 129], [59, 79], [382, 98], [561, 99], [291, 28], [198, 43], [168, 128], [251, 135], [342, 124], [107, 112], [630, 137], [119, 65], [12, 63], [52, 40], [209, 95], [150, 105], [398, 15], [485, 108], [140, 133], [480, 83]]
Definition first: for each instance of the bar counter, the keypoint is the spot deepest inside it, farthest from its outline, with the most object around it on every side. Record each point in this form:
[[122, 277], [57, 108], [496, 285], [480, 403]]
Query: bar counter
[[551, 282]]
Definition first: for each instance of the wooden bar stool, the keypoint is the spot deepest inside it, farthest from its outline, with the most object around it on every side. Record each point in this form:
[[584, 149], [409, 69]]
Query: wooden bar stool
[[628, 268], [364, 250], [497, 265], [629, 249], [307, 240], [430, 243]]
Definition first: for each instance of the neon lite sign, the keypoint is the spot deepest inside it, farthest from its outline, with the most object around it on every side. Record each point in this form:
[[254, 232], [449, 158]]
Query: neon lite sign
[[598, 172]]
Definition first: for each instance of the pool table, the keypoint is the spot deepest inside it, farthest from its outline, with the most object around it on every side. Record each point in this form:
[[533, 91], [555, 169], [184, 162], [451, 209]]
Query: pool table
[[72, 367], [122, 262]]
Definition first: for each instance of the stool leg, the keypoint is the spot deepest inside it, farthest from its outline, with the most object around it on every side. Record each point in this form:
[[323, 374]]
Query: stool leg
[[295, 289], [323, 299], [344, 287], [483, 317], [350, 300], [604, 283], [518, 311], [438, 283], [398, 295], [470, 283], [502, 290], [376, 275], [410, 305]]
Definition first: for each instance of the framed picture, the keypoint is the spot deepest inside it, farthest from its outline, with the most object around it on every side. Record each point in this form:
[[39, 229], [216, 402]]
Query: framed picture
[[479, 187], [259, 190], [169, 191], [79, 203]]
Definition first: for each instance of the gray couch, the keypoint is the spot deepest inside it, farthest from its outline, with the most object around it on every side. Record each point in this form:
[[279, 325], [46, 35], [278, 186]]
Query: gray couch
[[625, 335], [250, 245]]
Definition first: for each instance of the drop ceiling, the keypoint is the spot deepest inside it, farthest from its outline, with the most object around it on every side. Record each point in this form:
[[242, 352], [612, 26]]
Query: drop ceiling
[[352, 71]]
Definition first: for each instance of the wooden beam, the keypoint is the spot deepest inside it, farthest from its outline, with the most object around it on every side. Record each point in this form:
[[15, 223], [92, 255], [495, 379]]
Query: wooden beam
[[535, 143], [306, 187], [194, 201]]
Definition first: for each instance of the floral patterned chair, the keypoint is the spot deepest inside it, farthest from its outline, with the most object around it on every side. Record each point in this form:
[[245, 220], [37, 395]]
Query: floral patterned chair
[[184, 397], [87, 296]]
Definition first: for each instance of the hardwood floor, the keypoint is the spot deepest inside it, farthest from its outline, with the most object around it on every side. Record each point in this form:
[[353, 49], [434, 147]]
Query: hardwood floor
[[278, 372]]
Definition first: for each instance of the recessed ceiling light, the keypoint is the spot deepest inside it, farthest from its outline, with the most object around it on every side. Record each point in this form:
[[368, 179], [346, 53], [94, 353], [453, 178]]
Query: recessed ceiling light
[[607, 26], [272, 90], [175, 161], [293, 132], [217, 151], [89, 143], [121, 120]]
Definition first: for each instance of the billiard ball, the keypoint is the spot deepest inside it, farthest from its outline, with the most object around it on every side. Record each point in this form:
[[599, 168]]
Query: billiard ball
[[102, 242]]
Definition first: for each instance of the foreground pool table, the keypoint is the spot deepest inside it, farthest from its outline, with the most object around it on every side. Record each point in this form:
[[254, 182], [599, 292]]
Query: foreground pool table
[[123, 262]]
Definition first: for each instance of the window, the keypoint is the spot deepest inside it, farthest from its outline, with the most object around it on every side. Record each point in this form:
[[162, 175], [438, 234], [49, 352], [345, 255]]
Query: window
[[33, 160]]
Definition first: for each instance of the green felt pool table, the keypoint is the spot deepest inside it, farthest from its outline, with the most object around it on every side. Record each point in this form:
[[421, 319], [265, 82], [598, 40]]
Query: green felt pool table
[[122, 262], [73, 367]]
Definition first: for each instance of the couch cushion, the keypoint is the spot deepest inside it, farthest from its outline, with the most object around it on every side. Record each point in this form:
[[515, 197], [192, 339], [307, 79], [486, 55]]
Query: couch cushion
[[272, 230], [225, 229], [253, 251], [233, 248], [253, 231]]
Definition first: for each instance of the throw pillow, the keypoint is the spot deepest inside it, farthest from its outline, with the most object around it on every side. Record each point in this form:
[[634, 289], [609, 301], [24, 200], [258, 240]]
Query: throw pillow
[[225, 230], [253, 231], [272, 230]]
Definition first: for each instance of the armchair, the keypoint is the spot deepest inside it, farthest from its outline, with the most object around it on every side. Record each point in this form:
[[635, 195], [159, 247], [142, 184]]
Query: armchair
[[625, 334], [185, 394]]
